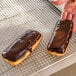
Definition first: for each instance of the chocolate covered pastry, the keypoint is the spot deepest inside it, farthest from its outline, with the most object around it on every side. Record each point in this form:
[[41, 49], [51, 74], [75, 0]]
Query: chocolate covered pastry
[[22, 47], [60, 38]]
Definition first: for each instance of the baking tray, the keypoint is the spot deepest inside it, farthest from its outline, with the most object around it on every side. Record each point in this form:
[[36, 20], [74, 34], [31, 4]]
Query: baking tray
[[17, 16]]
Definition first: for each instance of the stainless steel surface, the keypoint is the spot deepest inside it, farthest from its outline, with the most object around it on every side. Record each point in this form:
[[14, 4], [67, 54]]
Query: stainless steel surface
[[17, 16]]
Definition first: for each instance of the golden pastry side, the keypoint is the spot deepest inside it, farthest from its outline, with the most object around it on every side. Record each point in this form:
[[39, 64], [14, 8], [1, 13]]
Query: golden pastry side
[[55, 54]]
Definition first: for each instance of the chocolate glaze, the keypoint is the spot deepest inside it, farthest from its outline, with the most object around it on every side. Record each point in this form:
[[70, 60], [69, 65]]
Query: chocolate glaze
[[61, 36], [20, 46]]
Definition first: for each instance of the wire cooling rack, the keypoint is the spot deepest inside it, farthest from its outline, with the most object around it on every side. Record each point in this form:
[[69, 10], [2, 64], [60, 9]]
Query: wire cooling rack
[[17, 16]]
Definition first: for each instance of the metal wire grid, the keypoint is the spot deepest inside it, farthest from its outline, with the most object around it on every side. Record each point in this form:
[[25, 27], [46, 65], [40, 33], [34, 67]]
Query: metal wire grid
[[28, 14]]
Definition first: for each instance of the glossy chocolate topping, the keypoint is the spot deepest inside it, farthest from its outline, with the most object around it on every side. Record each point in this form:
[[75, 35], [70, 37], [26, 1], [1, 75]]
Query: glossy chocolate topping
[[20, 46], [61, 36]]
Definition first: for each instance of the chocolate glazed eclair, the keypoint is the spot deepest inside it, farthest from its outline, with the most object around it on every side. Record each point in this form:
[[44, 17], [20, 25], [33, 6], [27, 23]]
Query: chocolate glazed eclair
[[60, 38], [22, 47]]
